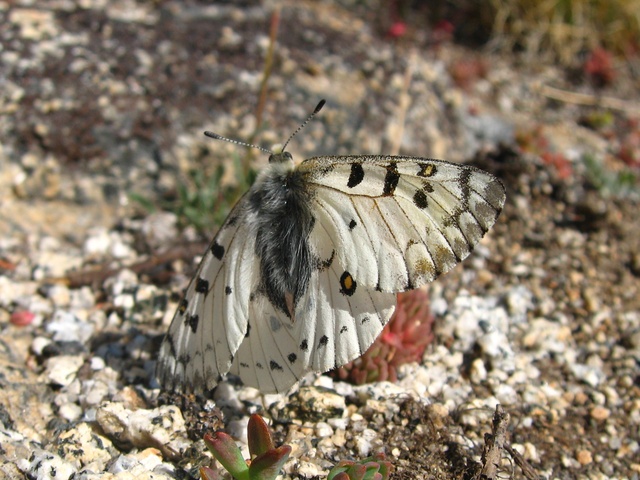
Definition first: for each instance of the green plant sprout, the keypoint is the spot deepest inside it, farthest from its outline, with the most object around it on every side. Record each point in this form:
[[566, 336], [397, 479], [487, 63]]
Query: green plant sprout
[[371, 468], [266, 460], [200, 200], [617, 184]]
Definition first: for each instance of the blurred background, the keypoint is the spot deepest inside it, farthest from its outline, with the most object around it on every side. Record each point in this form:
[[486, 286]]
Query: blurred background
[[104, 103], [109, 191]]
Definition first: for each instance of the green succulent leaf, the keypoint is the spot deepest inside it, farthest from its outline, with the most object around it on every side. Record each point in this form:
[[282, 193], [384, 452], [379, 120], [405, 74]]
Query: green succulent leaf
[[357, 472], [341, 467], [268, 465], [340, 476], [207, 473], [374, 467], [259, 436], [225, 450], [372, 471], [384, 470]]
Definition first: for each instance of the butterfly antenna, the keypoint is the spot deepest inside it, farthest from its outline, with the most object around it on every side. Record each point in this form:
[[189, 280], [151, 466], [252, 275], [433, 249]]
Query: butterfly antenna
[[316, 110], [237, 142]]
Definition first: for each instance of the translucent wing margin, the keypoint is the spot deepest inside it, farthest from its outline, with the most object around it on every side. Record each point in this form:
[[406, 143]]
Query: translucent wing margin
[[211, 320], [399, 221]]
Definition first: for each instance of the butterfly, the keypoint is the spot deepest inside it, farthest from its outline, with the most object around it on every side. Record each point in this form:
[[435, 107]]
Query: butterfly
[[303, 274]]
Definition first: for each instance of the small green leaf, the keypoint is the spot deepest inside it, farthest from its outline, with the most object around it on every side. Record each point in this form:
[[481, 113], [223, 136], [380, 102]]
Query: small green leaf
[[207, 473], [372, 469], [357, 472], [340, 476], [224, 448], [143, 201], [340, 468], [258, 436], [268, 465], [385, 469]]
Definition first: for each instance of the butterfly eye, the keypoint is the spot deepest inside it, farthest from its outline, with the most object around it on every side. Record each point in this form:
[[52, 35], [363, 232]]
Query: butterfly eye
[[281, 157]]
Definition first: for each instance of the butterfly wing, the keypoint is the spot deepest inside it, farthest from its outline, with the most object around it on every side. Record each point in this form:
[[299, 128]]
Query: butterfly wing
[[380, 225], [399, 222], [348, 319], [331, 327], [212, 319]]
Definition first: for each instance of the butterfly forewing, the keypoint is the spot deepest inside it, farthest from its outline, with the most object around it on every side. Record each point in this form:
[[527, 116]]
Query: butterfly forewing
[[404, 220], [211, 320]]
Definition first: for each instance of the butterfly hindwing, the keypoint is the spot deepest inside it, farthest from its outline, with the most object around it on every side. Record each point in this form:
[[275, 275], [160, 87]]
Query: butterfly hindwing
[[211, 320], [335, 323], [264, 358], [348, 318]]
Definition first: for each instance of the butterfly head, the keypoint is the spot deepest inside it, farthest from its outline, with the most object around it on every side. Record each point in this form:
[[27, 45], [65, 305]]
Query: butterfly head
[[281, 157]]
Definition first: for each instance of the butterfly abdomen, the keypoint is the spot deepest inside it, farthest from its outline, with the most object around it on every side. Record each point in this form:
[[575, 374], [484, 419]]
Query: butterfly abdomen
[[280, 216]]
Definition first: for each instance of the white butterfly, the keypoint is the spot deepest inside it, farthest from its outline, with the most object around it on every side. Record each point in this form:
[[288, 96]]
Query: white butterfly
[[303, 274]]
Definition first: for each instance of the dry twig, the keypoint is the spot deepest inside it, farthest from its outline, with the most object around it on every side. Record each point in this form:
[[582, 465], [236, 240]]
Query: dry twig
[[588, 99], [97, 275], [494, 442]]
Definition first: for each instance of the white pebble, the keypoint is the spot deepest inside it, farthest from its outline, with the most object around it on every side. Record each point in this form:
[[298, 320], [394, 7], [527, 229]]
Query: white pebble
[[62, 370], [478, 372], [70, 411], [323, 429]]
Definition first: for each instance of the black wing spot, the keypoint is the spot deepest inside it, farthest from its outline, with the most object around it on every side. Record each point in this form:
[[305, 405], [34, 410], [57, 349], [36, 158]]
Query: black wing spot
[[391, 179], [356, 176], [347, 284], [169, 341], [304, 346], [202, 285], [420, 199], [244, 365], [324, 264], [292, 357], [193, 321], [273, 365], [323, 341], [259, 366], [364, 320], [228, 290], [427, 170], [183, 306], [344, 329], [352, 224], [217, 250]]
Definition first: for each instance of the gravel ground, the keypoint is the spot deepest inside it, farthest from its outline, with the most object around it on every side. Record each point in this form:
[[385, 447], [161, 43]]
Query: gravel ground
[[103, 101]]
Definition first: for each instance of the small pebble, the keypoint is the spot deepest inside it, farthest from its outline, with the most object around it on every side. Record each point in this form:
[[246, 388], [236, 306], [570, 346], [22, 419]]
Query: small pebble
[[584, 457], [62, 370], [21, 318], [600, 413]]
